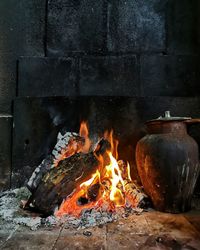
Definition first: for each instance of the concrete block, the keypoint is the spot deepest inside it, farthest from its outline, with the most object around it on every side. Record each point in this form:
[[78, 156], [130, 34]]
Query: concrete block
[[75, 26], [109, 76], [8, 69], [135, 25], [170, 75], [5, 151], [182, 27], [22, 26], [40, 77]]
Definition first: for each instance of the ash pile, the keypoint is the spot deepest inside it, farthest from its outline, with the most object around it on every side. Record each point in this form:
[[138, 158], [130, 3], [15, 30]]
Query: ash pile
[[12, 215], [81, 184]]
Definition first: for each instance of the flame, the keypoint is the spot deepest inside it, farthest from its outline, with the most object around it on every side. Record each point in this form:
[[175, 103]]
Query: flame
[[129, 172], [115, 176], [113, 142], [110, 181], [91, 180], [84, 132]]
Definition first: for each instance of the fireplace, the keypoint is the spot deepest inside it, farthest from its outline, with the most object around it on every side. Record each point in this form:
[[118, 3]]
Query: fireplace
[[115, 65], [84, 172]]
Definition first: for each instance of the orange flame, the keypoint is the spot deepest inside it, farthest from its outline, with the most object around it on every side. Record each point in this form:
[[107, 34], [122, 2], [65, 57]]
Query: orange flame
[[110, 178], [129, 172], [91, 180], [115, 176], [113, 142], [84, 132]]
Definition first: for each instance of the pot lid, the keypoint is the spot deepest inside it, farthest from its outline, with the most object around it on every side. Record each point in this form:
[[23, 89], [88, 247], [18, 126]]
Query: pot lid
[[167, 117]]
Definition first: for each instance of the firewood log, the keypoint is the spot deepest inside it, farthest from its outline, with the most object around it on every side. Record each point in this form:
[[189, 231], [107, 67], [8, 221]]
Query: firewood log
[[136, 195], [62, 180], [94, 192], [67, 145]]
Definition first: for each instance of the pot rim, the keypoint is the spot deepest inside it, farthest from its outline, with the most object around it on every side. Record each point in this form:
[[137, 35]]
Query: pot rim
[[168, 118]]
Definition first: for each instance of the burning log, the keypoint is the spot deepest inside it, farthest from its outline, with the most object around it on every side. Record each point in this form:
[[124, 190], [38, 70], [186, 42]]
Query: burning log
[[94, 192], [39, 172], [62, 180], [82, 178], [67, 145], [135, 195]]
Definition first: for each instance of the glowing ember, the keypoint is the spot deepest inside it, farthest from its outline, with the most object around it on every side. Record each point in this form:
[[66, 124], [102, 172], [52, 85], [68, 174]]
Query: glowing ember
[[108, 187]]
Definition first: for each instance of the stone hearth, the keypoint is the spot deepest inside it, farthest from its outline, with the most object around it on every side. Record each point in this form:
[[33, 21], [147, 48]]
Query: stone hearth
[[150, 230]]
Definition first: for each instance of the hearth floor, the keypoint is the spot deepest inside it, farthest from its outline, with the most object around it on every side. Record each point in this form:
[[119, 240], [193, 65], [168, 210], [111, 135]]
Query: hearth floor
[[150, 230]]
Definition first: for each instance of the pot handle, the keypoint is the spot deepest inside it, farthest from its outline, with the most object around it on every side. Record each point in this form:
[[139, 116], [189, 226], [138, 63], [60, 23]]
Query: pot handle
[[192, 121]]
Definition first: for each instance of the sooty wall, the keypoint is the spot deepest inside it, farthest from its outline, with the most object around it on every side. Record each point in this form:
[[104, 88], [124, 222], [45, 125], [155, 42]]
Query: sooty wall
[[58, 49]]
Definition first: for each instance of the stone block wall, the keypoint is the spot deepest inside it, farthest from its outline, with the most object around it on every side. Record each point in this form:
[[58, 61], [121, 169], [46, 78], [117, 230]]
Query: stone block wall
[[22, 29], [72, 48]]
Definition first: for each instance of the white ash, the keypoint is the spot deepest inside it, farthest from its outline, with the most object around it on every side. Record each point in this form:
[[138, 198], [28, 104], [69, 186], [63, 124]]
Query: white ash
[[33, 222], [91, 218], [10, 200], [11, 214], [62, 142]]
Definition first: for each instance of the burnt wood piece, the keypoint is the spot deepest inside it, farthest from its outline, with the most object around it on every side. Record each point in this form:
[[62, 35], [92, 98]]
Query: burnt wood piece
[[94, 191], [67, 145], [135, 194], [62, 180], [39, 172]]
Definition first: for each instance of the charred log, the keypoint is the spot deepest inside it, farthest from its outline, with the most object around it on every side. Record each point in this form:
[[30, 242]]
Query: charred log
[[39, 172], [67, 145], [136, 195], [62, 180], [94, 192]]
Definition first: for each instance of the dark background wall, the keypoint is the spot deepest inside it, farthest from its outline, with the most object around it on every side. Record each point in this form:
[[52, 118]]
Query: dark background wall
[[72, 48]]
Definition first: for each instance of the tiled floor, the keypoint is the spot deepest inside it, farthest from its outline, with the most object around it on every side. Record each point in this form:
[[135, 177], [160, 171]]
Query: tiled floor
[[150, 230]]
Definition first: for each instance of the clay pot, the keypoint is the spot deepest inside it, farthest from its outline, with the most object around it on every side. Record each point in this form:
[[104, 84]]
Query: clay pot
[[168, 163]]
